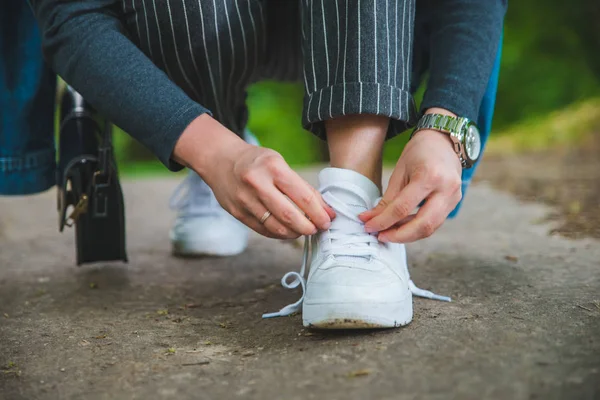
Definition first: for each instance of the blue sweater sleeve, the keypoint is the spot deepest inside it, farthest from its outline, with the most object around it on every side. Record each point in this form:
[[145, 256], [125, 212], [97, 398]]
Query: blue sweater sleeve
[[463, 43], [86, 44]]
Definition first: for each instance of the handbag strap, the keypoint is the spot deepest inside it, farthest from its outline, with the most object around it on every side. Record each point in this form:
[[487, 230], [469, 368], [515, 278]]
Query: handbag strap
[[105, 155], [104, 174]]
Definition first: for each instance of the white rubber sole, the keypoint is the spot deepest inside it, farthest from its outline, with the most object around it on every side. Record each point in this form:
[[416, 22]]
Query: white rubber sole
[[186, 248], [357, 315]]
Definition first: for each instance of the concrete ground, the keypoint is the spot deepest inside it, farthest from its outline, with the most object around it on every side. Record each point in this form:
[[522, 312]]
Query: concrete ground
[[524, 323]]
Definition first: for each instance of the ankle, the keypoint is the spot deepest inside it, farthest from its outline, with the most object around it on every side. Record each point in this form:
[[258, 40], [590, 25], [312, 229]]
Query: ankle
[[356, 143]]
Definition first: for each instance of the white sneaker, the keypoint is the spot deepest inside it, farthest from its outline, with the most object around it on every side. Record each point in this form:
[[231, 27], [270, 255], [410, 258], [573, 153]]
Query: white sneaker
[[354, 281], [202, 226]]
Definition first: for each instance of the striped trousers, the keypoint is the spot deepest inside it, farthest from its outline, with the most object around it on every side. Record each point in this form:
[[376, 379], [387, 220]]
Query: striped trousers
[[353, 56]]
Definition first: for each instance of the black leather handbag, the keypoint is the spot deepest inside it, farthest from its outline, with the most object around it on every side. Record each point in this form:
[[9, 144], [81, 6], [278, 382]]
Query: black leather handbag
[[89, 192]]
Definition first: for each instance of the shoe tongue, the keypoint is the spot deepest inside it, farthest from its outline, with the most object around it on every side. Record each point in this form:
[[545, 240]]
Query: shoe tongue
[[333, 179], [339, 183]]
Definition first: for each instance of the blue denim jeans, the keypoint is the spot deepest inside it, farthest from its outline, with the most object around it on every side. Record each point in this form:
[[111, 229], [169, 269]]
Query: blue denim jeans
[[27, 93]]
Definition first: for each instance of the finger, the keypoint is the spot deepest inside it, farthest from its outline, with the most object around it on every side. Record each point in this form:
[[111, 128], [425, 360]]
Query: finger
[[403, 221], [286, 212], [305, 197], [251, 222], [257, 227], [271, 227], [370, 214], [330, 212], [327, 208], [395, 184], [402, 206], [281, 231], [429, 218]]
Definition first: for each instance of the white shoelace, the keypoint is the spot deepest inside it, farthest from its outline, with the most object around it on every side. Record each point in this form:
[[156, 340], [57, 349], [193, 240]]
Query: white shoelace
[[193, 196], [349, 239]]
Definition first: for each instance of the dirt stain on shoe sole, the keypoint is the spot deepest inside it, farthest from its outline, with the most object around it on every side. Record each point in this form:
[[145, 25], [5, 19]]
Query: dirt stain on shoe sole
[[350, 323]]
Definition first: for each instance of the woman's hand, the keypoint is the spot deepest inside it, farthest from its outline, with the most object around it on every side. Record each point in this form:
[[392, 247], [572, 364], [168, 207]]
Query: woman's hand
[[428, 169], [254, 180], [248, 181]]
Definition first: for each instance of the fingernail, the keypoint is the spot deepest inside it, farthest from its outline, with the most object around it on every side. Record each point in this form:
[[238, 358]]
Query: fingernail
[[370, 229], [326, 225], [315, 231], [383, 238]]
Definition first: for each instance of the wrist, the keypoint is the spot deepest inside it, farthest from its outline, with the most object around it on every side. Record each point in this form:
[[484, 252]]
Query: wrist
[[439, 110], [203, 142], [432, 132]]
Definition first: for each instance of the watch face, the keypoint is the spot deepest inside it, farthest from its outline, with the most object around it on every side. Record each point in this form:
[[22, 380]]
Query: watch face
[[473, 143]]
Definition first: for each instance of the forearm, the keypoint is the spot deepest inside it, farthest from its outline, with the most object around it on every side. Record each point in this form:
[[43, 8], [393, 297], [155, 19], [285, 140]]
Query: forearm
[[85, 43], [463, 45], [204, 143]]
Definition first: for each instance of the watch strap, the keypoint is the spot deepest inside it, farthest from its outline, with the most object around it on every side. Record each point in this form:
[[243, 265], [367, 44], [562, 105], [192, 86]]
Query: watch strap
[[443, 123], [452, 126]]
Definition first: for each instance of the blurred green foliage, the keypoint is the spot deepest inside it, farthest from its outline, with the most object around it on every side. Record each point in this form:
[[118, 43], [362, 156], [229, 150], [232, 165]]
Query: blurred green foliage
[[276, 118], [551, 59]]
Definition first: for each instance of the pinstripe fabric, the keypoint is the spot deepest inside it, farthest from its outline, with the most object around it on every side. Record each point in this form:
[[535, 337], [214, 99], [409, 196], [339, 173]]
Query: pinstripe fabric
[[354, 55], [370, 31]]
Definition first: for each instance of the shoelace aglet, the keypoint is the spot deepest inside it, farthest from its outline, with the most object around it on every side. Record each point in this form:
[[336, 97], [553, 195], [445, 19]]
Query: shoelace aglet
[[284, 312], [426, 293]]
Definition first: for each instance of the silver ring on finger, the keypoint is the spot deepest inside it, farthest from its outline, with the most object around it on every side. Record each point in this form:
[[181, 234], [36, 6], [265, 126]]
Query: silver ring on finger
[[265, 216]]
